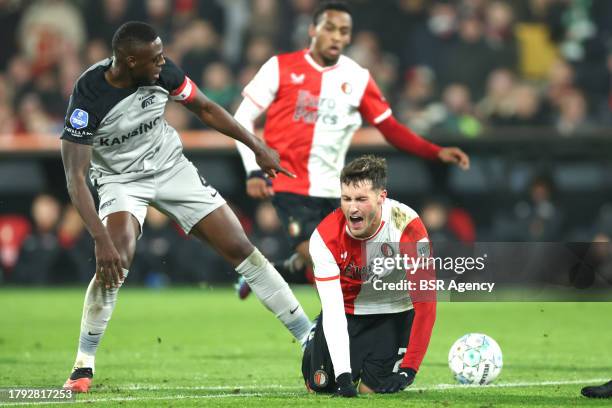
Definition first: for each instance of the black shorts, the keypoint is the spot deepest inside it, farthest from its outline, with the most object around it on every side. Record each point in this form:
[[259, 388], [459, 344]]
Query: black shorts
[[301, 214], [377, 342]]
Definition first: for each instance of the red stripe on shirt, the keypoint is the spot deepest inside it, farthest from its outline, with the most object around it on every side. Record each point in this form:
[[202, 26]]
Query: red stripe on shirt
[[327, 279]]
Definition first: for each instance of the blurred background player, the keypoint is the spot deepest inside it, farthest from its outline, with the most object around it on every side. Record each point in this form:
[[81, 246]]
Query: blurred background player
[[314, 101], [115, 130], [376, 336]]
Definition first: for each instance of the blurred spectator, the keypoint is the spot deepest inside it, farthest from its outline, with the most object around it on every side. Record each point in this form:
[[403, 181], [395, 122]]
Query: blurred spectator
[[527, 107], [538, 218], [366, 50], [32, 118], [447, 224], [14, 229], [40, 260], [264, 19], [573, 117], [104, 18], [268, 233], [154, 260], [499, 33], [497, 107], [471, 59], [258, 51], [48, 30], [417, 106], [458, 112], [218, 84], [10, 16], [429, 42], [198, 46]]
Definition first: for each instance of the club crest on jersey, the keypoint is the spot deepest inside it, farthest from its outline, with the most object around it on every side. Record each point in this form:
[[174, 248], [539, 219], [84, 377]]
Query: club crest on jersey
[[320, 378], [346, 88], [148, 101], [387, 250], [79, 119], [297, 79]]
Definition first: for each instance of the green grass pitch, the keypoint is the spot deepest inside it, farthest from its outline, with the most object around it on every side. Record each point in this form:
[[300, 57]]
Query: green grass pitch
[[204, 347]]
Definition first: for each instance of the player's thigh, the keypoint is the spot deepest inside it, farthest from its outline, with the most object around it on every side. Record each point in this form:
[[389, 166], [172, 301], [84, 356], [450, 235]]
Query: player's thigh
[[317, 367], [185, 196], [123, 208], [386, 344], [300, 215]]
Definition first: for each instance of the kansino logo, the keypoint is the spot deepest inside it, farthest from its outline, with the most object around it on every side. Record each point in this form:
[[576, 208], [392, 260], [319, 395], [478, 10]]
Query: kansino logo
[[142, 129]]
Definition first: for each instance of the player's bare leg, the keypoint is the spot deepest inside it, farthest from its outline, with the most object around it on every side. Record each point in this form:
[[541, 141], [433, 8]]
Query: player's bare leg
[[99, 303], [223, 231]]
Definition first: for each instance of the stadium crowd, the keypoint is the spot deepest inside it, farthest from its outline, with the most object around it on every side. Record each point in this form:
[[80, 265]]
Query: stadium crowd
[[460, 68]]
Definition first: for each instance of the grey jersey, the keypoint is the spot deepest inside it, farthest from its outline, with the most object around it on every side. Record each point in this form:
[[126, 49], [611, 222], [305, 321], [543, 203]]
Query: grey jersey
[[126, 128]]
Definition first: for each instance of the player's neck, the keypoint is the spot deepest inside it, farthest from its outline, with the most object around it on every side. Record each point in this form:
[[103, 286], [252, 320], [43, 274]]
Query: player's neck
[[118, 78], [318, 58]]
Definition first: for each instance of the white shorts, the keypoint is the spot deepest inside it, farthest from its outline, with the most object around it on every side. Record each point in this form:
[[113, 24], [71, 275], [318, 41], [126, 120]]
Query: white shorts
[[179, 192]]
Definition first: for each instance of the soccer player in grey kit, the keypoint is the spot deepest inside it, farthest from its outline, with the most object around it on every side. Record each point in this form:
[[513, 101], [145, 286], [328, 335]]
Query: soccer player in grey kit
[[115, 129]]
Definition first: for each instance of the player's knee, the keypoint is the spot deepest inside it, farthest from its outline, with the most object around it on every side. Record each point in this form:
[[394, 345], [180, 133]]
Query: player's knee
[[124, 242], [240, 250]]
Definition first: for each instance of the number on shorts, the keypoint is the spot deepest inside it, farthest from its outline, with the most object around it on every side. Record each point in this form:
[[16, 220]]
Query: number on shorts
[[400, 352]]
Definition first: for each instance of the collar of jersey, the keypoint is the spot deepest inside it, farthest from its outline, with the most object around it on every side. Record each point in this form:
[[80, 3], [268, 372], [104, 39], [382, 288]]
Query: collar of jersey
[[348, 231], [316, 66]]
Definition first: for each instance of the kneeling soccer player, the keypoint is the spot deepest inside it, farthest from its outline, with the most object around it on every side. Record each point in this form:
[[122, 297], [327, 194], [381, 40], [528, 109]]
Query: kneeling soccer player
[[366, 333]]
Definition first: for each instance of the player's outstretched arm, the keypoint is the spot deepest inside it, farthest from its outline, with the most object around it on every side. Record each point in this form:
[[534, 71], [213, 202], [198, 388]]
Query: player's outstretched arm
[[406, 140], [77, 158], [219, 119]]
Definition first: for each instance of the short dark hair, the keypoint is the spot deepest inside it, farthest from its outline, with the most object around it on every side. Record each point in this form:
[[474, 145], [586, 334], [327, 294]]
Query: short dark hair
[[330, 5], [133, 33], [364, 168]]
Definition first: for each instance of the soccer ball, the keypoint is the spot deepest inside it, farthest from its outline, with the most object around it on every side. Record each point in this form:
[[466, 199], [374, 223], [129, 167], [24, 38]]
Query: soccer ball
[[475, 359]]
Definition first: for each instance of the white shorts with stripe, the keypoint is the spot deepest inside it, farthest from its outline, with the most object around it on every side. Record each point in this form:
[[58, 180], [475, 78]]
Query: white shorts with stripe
[[179, 192]]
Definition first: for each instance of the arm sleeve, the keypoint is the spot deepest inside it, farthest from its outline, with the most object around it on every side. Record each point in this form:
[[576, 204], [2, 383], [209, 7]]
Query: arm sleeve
[[415, 235], [246, 115], [327, 279], [404, 139], [81, 122], [375, 109], [181, 88], [258, 95]]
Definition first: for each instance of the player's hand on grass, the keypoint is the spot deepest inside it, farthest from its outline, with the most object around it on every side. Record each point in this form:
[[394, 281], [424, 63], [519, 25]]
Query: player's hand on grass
[[397, 381], [109, 271], [454, 155], [259, 185], [346, 388], [268, 160]]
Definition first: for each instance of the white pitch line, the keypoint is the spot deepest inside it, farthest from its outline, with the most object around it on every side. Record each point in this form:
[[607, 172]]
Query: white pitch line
[[438, 387]]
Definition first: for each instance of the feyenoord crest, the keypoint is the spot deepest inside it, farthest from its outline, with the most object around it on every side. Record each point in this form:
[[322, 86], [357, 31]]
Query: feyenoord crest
[[294, 228], [387, 250], [321, 378], [346, 88]]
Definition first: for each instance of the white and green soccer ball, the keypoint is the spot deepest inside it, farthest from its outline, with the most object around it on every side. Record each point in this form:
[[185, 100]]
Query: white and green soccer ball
[[475, 359]]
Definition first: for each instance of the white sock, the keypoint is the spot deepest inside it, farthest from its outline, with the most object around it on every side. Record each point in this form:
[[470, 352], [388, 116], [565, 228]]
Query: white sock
[[97, 311], [272, 290]]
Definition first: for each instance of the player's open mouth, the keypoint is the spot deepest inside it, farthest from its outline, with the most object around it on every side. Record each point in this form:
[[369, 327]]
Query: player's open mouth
[[356, 221], [334, 50]]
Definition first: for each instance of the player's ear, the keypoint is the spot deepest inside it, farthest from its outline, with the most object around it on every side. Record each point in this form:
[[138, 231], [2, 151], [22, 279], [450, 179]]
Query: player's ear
[[130, 60], [312, 30], [382, 196]]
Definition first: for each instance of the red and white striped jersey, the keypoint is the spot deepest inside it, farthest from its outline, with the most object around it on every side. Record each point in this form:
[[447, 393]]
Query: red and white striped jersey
[[312, 114], [336, 254]]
